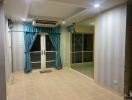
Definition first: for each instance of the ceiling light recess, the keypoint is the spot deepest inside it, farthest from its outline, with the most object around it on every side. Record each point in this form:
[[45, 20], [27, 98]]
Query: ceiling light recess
[[97, 5], [63, 22]]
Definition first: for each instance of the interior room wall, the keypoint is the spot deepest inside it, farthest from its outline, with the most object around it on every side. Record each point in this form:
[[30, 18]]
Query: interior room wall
[[109, 47], [18, 47], [65, 47], [8, 56], [85, 29], [2, 55]]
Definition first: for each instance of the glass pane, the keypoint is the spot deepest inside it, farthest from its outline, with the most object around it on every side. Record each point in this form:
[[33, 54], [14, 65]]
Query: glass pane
[[49, 46], [36, 45], [35, 57], [50, 64], [87, 56], [50, 56], [77, 57], [73, 42], [36, 65], [88, 42], [77, 42]]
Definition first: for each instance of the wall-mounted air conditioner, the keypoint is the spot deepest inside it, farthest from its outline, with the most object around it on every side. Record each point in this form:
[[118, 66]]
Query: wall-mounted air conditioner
[[45, 23]]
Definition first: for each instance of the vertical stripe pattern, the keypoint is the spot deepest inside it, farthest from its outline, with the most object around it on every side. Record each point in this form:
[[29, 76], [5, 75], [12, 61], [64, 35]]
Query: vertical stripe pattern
[[110, 30]]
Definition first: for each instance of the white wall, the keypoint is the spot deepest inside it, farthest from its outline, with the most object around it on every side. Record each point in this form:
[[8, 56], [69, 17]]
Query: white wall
[[18, 47], [65, 47], [8, 57], [109, 54]]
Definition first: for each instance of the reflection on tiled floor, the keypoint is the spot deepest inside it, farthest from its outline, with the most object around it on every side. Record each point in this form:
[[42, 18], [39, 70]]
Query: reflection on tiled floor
[[62, 84]]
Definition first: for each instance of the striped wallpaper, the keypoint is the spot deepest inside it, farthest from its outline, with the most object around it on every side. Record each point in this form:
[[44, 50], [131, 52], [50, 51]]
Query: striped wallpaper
[[109, 51]]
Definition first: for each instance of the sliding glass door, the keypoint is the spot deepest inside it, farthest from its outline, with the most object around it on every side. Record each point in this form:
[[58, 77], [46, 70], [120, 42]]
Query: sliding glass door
[[82, 54], [82, 48], [42, 53]]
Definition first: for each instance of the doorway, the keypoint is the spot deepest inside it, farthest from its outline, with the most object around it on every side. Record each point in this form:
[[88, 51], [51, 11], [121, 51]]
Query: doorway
[[42, 52]]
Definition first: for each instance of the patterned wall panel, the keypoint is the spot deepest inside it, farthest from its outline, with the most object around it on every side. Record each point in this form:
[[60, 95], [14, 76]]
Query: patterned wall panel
[[110, 30]]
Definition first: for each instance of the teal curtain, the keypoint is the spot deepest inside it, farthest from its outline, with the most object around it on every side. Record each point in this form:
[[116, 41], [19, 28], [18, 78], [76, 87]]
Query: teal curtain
[[30, 36], [71, 28], [10, 23], [55, 39]]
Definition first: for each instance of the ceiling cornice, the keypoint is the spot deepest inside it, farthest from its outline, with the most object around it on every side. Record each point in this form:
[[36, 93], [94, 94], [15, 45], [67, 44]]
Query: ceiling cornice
[[67, 4], [88, 13]]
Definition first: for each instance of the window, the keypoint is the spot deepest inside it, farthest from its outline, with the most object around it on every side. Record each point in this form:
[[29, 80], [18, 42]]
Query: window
[[82, 48]]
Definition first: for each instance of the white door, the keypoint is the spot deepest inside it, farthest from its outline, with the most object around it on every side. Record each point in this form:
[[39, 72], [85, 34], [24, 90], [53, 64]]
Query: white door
[[43, 49], [48, 52]]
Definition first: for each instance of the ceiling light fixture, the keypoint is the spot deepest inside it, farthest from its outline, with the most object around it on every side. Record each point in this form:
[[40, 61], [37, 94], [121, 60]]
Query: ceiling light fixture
[[63, 22], [96, 5]]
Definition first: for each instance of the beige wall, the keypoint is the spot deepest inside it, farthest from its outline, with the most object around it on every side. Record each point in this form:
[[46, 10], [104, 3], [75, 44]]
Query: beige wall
[[109, 48], [85, 29]]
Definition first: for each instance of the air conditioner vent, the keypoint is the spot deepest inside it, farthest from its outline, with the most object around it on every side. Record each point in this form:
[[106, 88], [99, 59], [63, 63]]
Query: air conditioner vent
[[45, 23]]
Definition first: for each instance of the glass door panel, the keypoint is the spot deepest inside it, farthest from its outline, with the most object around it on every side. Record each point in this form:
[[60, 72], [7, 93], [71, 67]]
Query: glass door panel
[[50, 53], [78, 42], [88, 42], [35, 54], [88, 56], [82, 48], [42, 53], [77, 57]]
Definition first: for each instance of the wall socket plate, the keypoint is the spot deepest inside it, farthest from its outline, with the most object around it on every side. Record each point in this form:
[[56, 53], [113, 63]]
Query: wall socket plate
[[115, 81]]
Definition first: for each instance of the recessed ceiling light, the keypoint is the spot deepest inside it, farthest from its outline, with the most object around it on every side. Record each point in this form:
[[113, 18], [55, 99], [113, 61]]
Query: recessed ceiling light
[[96, 5], [63, 22]]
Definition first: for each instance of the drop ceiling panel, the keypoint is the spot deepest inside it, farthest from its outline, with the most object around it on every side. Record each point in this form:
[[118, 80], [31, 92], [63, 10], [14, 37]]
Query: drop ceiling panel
[[51, 9]]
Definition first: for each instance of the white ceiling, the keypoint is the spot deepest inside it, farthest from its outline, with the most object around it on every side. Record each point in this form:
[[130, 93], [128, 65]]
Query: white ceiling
[[68, 10]]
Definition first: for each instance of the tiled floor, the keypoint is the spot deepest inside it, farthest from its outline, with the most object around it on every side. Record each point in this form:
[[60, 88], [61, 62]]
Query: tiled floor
[[64, 84]]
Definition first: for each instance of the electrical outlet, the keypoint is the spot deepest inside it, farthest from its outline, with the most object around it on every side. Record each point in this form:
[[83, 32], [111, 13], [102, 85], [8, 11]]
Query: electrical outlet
[[115, 82]]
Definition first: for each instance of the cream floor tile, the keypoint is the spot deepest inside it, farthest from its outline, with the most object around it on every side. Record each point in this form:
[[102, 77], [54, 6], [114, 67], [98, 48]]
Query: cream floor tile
[[62, 84]]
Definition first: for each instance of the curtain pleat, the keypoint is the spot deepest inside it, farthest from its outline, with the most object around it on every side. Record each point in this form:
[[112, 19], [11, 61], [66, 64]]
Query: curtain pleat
[[29, 38], [55, 39]]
